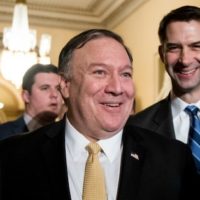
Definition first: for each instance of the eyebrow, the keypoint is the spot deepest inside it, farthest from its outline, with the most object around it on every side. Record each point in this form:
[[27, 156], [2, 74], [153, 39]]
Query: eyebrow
[[195, 43], [177, 43], [105, 65]]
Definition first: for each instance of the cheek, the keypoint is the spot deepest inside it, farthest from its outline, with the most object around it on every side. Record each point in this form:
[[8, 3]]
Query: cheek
[[130, 89], [171, 58], [39, 99], [92, 88]]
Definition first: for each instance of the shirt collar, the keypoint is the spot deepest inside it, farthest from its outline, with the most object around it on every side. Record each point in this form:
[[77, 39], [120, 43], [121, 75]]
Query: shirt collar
[[178, 105], [76, 143], [27, 118], [112, 146]]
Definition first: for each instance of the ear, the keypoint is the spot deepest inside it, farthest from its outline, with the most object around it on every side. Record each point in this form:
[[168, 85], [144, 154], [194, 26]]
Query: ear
[[25, 96], [64, 88], [161, 52]]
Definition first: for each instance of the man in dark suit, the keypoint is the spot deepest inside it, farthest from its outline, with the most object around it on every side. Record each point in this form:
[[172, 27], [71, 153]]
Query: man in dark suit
[[97, 86], [13, 127], [40, 93], [156, 118], [179, 34]]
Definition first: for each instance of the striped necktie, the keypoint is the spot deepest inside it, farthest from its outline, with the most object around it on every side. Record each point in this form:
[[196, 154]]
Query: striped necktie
[[94, 184], [194, 134]]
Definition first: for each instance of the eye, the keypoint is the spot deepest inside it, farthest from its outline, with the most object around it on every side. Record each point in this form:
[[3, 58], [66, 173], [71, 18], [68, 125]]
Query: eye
[[58, 87], [127, 74], [196, 47], [173, 48], [44, 87], [99, 72]]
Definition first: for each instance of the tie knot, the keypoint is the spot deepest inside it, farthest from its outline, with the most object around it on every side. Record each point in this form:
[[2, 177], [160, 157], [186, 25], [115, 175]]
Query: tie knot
[[192, 110], [93, 148]]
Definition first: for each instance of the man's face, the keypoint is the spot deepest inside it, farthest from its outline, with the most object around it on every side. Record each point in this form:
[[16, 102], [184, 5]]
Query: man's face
[[44, 96], [181, 56], [101, 90]]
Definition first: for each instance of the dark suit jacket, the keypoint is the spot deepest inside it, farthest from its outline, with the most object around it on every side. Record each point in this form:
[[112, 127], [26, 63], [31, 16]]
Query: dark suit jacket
[[33, 166], [11, 128], [157, 118]]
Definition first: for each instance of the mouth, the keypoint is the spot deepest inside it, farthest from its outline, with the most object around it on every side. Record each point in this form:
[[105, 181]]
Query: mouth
[[187, 72], [53, 105], [112, 105]]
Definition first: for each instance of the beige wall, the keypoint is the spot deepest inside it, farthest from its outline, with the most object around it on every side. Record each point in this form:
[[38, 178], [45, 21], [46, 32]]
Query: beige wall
[[140, 33]]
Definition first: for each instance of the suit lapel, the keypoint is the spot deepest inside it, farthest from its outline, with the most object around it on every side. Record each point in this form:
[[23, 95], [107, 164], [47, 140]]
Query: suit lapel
[[53, 151], [163, 119], [131, 167]]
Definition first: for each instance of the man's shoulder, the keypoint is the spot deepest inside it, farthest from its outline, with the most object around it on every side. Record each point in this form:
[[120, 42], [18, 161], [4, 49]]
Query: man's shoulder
[[13, 127], [32, 139], [164, 103], [157, 150], [158, 108], [12, 122], [151, 139]]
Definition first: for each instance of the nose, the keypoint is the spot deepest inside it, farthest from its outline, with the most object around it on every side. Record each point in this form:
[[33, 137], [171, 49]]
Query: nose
[[54, 93], [114, 85], [186, 56]]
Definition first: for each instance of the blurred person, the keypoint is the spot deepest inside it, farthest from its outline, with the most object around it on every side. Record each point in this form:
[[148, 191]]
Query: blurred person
[[42, 99], [97, 86], [179, 34]]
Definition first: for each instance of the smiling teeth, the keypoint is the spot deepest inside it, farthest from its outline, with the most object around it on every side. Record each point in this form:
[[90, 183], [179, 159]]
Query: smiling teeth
[[112, 105], [188, 72]]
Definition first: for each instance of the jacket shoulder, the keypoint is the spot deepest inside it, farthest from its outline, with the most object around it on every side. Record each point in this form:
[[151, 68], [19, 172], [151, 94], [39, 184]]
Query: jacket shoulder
[[12, 127], [152, 140], [144, 116], [32, 140]]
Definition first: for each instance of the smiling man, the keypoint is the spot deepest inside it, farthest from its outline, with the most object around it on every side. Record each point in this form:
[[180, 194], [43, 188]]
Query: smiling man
[[179, 34], [56, 161]]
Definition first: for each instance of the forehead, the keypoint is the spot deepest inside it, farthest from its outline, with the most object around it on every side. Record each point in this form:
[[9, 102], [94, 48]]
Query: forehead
[[103, 47], [44, 77], [181, 30], [102, 42]]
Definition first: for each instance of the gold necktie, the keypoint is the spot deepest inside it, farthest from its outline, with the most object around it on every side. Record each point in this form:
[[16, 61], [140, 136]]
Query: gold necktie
[[94, 184]]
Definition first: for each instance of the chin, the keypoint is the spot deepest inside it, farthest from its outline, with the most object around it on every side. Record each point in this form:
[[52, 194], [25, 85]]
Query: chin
[[113, 128]]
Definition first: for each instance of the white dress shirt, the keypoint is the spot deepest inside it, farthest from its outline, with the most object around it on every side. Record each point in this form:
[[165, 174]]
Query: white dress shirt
[[27, 119], [76, 156], [181, 119]]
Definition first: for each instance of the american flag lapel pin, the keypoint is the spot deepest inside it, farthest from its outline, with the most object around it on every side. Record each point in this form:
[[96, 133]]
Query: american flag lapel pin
[[134, 155]]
